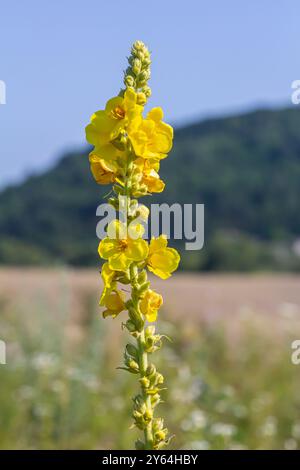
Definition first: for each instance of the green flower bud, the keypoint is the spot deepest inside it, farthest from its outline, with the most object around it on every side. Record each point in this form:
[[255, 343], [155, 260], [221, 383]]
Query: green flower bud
[[132, 365], [136, 66], [144, 287], [155, 400], [131, 350], [138, 46], [147, 91], [129, 81], [124, 279], [146, 61], [144, 382], [158, 424], [161, 435], [159, 379], [140, 55], [148, 415], [142, 277], [130, 326], [151, 370], [137, 415], [136, 318]]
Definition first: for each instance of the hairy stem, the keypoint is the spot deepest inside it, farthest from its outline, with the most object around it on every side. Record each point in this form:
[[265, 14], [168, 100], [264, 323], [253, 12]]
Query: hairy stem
[[148, 435]]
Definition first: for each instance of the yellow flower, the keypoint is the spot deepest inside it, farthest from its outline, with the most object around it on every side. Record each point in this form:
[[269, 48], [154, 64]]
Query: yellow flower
[[162, 260], [108, 277], [106, 124], [150, 304], [150, 137], [120, 249], [152, 180], [114, 303], [104, 171], [149, 175]]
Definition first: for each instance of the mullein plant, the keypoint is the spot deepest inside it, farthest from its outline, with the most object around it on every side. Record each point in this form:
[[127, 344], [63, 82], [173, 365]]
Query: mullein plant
[[127, 152]]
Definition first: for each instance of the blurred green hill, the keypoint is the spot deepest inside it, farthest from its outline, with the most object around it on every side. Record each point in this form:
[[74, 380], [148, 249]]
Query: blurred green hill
[[245, 169]]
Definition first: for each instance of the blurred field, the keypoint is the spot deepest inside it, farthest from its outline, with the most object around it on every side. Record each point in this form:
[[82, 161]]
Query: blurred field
[[230, 380]]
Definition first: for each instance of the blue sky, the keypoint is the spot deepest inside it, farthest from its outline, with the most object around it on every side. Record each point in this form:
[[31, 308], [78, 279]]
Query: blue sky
[[62, 60]]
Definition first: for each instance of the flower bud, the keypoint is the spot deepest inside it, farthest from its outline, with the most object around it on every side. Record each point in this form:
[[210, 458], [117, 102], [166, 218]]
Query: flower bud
[[151, 370], [140, 54], [144, 382], [159, 379], [142, 277], [130, 326], [132, 365], [158, 424], [143, 287], [147, 91], [136, 66], [149, 344], [146, 61], [131, 350], [148, 415], [155, 400], [124, 279], [160, 435], [141, 99], [139, 190], [138, 46], [136, 178], [129, 81]]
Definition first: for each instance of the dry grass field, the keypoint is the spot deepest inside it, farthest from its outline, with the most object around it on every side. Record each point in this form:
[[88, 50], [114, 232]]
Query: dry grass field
[[231, 383], [192, 295]]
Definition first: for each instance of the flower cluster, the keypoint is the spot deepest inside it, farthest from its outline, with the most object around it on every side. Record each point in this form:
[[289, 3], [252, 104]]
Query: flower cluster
[[127, 150]]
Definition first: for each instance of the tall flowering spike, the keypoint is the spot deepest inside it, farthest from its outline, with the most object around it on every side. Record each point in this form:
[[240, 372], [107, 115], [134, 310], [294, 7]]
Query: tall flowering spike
[[127, 151]]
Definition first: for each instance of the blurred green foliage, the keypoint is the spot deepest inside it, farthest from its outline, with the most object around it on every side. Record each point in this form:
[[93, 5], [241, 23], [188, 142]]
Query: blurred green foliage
[[230, 384], [245, 169]]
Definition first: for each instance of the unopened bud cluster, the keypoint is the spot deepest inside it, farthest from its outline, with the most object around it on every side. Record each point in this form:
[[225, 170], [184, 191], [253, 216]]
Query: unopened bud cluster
[[138, 72]]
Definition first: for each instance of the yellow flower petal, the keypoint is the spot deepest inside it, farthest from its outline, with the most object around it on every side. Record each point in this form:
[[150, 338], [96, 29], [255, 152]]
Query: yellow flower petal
[[113, 103], [158, 243], [103, 171], [107, 248], [162, 261], [137, 250], [120, 262], [107, 275], [155, 114], [150, 304], [151, 138], [114, 303]]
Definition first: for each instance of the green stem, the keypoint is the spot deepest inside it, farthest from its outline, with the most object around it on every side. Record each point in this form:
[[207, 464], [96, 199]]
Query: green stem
[[147, 398]]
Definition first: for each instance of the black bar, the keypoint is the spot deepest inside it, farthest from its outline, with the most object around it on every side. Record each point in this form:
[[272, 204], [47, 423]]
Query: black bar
[[133, 459]]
